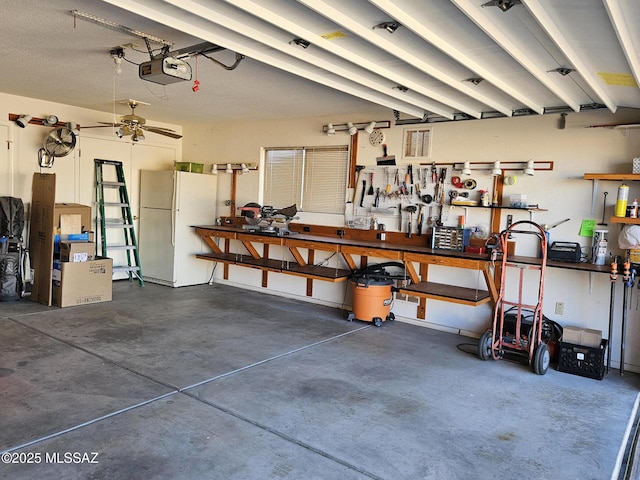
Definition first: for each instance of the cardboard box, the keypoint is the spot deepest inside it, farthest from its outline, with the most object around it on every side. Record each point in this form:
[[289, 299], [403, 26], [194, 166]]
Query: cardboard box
[[45, 222], [71, 211], [77, 251], [582, 336], [82, 283]]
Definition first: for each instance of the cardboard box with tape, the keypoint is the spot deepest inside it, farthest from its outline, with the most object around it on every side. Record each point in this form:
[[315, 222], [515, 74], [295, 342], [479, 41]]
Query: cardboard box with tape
[[81, 283]]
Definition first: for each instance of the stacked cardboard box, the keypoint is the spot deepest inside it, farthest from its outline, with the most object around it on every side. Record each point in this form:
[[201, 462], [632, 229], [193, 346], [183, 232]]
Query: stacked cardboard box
[[67, 271], [79, 277]]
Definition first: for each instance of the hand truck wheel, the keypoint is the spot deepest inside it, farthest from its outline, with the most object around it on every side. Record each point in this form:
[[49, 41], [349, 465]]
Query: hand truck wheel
[[485, 345], [541, 359]]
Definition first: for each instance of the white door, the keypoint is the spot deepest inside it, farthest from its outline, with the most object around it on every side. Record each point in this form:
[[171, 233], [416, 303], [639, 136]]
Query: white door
[[133, 158]]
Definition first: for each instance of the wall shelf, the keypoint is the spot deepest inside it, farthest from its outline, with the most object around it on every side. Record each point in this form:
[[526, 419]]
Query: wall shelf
[[628, 220], [613, 177]]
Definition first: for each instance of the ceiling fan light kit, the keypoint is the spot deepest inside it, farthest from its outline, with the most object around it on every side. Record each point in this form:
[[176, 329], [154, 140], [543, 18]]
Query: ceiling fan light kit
[[134, 125]]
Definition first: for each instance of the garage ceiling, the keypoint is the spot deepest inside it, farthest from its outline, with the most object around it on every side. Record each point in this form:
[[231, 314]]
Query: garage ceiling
[[422, 60]]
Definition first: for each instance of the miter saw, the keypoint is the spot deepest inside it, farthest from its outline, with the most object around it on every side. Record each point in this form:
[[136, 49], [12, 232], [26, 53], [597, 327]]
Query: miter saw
[[268, 219]]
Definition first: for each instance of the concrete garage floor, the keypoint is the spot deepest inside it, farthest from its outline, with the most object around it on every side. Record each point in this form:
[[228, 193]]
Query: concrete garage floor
[[213, 382]]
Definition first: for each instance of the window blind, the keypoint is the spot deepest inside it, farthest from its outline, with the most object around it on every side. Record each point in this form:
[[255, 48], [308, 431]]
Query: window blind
[[313, 178]]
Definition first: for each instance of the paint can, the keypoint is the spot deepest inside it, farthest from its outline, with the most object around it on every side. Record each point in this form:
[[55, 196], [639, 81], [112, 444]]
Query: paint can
[[621, 202]]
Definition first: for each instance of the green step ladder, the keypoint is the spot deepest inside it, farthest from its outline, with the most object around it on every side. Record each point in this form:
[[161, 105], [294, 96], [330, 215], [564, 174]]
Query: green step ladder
[[117, 206]]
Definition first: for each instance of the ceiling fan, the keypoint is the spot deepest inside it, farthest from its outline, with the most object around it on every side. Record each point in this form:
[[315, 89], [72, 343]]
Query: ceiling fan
[[134, 125]]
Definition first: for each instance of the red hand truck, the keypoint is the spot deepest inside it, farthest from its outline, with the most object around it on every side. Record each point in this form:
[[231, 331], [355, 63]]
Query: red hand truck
[[497, 342]]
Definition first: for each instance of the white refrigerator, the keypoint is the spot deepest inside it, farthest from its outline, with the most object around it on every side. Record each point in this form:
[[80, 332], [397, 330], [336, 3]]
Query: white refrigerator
[[171, 203]]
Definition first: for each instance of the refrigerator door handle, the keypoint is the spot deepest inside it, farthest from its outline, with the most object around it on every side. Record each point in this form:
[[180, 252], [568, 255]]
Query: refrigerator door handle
[[174, 207]]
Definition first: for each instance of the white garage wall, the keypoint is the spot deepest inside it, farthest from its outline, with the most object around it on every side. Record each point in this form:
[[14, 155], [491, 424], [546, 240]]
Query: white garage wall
[[574, 150], [74, 173]]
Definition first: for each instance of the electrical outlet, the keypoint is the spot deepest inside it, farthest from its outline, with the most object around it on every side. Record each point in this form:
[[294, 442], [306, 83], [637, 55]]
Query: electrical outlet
[[559, 308]]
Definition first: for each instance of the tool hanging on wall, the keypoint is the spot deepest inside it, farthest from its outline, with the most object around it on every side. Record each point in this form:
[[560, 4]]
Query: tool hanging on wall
[[411, 209], [388, 189], [359, 169], [420, 218], [613, 276], [371, 190], [628, 278], [364, 190], [604, 208]]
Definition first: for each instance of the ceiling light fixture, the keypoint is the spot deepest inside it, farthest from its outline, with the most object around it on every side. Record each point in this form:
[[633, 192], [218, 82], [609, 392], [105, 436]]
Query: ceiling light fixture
[[503, 5], [496, 171], [369, 128], [50, 121], [23, 120], [529, 168], [564, 71], [331, 129], [390, 27], [117, 54], [352, 129], [300, 42]]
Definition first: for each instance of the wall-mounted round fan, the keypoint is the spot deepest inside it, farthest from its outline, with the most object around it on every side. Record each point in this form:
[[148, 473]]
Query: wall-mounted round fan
[[60, 142], [134, 125]]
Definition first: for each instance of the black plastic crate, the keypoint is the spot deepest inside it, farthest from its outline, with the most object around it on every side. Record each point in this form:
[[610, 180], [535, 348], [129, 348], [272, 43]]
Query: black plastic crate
[[582, 360]]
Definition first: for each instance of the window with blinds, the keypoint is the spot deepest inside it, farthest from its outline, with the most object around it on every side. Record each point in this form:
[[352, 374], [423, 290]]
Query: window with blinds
[[313, 178]]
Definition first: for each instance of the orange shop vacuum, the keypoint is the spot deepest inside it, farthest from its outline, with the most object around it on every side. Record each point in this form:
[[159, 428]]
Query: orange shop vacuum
[[373, 289]]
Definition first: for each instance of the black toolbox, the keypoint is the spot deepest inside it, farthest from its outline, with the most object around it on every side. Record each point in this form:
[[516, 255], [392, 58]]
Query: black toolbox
[[582, 360]]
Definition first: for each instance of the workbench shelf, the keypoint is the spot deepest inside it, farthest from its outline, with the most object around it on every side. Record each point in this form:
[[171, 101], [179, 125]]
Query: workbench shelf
[[279, 266], [447, 293]]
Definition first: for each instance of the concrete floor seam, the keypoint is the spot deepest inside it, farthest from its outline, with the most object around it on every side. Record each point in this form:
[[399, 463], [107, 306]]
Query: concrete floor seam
[[284, 436], [176, 390], [275, 357], [88, 422], [101, 357]]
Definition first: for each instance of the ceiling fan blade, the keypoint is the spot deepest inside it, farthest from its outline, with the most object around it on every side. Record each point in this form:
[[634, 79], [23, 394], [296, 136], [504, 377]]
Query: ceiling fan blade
[[160, 128], [104, 124], [160, 131]]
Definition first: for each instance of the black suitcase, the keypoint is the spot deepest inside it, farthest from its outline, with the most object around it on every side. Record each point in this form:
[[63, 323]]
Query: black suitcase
[[10, 269]]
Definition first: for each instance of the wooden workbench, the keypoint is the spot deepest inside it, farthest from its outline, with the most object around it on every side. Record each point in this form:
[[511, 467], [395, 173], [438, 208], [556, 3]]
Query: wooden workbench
[[348, 248], [416, 259]]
